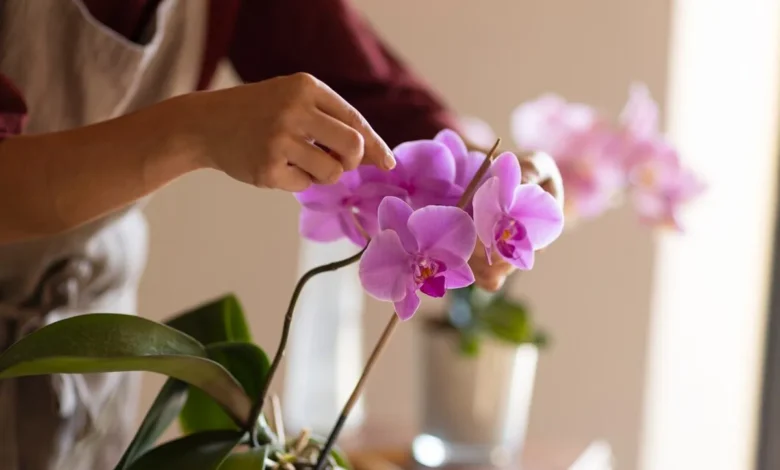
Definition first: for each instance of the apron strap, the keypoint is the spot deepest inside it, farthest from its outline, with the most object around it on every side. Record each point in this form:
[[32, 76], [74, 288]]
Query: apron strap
[[147, 14]]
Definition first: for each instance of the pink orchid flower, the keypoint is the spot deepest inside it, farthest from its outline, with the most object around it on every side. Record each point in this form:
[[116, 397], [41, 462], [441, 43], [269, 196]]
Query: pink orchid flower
[[425, 170], [658, 183], [426, 250], [512, 218], [547, 123], [330, 212], [592, 173]]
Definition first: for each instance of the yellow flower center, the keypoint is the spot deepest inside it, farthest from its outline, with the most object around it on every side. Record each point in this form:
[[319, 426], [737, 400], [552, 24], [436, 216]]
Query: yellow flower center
[[426, 272], [647, 176]]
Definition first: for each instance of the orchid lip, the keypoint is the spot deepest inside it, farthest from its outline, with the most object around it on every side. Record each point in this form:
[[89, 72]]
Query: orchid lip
[[426, 268], [428, 276], [509, 232]]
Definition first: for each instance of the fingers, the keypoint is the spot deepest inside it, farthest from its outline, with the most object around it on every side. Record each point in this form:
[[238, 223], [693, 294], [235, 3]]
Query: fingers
[[344, 141], [540, 168], [321, 166], [489, 276], [376, 152], [294, 179]]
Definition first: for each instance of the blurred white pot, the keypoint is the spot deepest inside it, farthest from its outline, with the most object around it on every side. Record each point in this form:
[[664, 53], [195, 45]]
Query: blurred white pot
[[474, 410]]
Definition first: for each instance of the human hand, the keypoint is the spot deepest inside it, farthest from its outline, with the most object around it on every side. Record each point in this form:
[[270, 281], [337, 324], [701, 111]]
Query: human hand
[[537, 168], [282, 133]]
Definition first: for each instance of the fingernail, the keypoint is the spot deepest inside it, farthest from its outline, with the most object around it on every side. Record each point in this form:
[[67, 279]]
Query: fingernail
[[389, 161]]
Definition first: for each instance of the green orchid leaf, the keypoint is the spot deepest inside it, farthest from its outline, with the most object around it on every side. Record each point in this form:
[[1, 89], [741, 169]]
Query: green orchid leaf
[[247, 363], [338, 456], [507, 320], [469, 343], [201, 451], [105, 342], [218, 321], [214, 322], [253, 459], [164, 410]]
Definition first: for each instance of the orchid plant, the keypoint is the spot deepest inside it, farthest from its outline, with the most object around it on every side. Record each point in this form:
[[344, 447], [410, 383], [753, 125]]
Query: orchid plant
[[416, 227], [603, 162]]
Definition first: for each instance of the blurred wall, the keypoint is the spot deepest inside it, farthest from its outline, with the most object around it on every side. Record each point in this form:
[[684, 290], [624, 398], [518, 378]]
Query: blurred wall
[[708, 329], [591, 290]]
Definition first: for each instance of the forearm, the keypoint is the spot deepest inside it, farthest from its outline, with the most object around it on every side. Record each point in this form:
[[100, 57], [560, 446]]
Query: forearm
[[53, 182]]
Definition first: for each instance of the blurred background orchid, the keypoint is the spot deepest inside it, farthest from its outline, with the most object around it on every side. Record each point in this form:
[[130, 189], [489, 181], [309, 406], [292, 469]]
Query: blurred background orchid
[[603, 161]]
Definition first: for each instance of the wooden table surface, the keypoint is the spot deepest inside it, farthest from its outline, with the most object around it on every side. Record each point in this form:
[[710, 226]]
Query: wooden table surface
[[386, 450]]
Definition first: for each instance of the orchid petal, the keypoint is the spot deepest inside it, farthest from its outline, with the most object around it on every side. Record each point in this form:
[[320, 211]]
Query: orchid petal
[[407, 307], [373, 192], [434, 287], [323, 197], [319, 226], [443, 228], [477, 131], [545, 123], [425, 160], [487, 211], [640, 115], [466, 168], [394, 215], [372, 174], [434, 192], [507, 169], [539, 213], [452, 141], [384, 269], [688, 185], [459, 277], [351, 179], [649, 205], [349, 226]]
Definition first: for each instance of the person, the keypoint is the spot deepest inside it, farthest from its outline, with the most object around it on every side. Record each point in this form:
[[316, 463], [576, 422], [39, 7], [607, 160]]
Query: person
[[102, 102]]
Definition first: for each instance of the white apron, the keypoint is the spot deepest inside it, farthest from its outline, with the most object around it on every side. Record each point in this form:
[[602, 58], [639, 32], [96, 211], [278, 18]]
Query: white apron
[[74, 71]]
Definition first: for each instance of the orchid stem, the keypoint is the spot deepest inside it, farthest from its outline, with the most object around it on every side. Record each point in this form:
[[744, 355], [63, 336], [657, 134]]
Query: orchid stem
[[391, 325], [474, 183], [257, 409], [334, 434]]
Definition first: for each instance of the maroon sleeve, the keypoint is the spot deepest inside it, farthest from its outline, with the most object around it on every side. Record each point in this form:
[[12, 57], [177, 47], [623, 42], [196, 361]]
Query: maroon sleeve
[[329, 39], [13, 109]]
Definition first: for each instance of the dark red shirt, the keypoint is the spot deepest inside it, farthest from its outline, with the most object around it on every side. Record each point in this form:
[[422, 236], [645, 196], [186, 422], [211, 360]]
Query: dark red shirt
[[268, 38]]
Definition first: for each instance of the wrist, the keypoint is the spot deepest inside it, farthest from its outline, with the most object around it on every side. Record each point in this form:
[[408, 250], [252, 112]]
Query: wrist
[[174, 148]]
